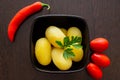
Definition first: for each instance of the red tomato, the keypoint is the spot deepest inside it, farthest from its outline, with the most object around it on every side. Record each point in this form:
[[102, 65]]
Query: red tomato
[[99, 44], [94, 71], [100, 59]]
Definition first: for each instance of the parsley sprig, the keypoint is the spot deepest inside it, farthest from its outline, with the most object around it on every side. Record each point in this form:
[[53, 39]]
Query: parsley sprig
[[75, 41]]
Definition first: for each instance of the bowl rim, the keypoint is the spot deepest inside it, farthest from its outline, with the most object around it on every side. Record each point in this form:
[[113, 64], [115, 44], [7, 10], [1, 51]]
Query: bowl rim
[[60, 71], [59, 15]]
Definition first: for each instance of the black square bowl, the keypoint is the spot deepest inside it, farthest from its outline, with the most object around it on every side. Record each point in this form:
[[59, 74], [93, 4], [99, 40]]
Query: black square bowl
[[60, 20]]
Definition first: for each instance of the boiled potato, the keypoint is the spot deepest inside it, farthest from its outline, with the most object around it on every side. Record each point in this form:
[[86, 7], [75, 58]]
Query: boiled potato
[[74, 31], [64, 30], [43, 51], [54, 34], [78, 54], [58, 59]]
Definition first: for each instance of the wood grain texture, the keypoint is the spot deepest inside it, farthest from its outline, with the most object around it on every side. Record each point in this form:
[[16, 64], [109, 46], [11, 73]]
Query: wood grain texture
[[102, 16]]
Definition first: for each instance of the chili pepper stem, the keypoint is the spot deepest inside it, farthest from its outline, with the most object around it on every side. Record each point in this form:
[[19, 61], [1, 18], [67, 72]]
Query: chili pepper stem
[[46, 5]]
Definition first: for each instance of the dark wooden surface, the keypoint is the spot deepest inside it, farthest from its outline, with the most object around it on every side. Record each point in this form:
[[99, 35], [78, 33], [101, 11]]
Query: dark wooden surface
[[102, 16]]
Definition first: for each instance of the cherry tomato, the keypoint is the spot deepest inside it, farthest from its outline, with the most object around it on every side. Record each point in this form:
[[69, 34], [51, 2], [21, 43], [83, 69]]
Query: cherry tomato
[[99, 44], [94, 71], [100, 59]]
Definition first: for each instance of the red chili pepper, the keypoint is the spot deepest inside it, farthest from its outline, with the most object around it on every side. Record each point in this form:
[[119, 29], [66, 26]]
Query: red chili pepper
[[21, 15]]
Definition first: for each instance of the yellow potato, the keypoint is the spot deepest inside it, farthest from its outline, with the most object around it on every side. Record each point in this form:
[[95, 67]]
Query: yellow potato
[[43, 51], [78, 54], [64, 30], [54, 34], [58, 59], [74, 31]]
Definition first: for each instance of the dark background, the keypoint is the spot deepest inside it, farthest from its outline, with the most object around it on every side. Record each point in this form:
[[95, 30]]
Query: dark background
[[102, 16]]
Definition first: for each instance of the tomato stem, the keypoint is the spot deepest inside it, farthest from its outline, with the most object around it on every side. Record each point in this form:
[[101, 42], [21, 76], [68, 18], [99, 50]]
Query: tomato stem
[[46, 5]]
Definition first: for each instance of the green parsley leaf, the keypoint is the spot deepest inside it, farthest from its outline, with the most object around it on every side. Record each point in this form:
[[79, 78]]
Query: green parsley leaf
[[68, 53], [75, 39], [77, 46], [66, 41], [60, 44], [75, 42]]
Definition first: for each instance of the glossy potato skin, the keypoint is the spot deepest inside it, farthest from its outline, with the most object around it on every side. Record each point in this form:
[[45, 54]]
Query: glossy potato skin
[[43, 51], [74, 31], [64, 30], [78, 54], [59, 61], [54, 34]]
